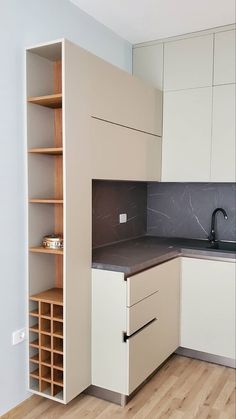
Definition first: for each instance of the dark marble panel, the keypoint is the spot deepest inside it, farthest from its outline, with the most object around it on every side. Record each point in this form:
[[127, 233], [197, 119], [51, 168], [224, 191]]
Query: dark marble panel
[[111, 198], [184, 209]]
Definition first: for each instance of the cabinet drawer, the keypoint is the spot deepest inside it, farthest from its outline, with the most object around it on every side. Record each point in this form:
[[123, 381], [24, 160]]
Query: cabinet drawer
[[143, 355], [142, 285], [141, 313]]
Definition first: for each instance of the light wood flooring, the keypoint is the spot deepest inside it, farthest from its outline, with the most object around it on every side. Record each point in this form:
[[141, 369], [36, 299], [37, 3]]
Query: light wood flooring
[[182, 389]]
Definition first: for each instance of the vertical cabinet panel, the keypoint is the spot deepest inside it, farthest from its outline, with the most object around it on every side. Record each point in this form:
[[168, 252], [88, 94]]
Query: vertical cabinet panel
[[208, 306], [223, 168], [148, 64], [224, 57], [188, 63], [187, 136]]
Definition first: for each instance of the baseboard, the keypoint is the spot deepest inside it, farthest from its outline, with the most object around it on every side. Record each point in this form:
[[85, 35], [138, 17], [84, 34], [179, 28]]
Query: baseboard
[[204, 356]]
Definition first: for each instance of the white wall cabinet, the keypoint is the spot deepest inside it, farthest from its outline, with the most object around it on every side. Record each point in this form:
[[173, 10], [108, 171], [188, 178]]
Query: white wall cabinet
[[224, 57], [144, 309], [208, 306], [187, 135], [223, 167], [188, 63], [148, 64]]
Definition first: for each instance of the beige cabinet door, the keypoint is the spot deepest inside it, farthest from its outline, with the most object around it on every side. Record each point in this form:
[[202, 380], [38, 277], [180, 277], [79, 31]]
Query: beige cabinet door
[[224, 57], [187, 136], [208, 306], [223, 167], [148, 64], [188, 63]]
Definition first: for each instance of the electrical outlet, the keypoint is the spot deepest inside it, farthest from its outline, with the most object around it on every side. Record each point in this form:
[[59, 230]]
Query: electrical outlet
[[122, 218], [18, 336]]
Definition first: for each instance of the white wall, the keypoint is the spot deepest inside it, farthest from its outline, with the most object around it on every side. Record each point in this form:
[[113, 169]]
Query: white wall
[[25, 23]]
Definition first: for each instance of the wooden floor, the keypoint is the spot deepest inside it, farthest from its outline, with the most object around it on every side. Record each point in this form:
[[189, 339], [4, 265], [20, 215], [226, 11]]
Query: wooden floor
[[182, 389]]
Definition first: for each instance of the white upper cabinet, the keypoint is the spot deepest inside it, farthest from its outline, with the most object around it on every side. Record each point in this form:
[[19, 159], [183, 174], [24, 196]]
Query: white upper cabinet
[[223, 168], [148, 64], [224, 57], [187, 136], [188, 63]]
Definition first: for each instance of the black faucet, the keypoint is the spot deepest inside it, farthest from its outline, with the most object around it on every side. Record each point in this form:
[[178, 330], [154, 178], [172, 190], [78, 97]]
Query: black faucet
[[212, 236]]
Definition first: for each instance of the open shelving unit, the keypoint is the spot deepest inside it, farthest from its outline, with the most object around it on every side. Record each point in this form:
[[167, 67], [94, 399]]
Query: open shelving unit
[[45, 186]]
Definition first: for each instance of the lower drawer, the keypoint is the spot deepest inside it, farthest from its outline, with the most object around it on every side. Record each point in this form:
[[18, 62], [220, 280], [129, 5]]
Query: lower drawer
[[143, 356], [141, 313]]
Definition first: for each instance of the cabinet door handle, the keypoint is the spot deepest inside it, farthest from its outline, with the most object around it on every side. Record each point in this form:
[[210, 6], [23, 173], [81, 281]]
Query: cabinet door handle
[[127, 337]]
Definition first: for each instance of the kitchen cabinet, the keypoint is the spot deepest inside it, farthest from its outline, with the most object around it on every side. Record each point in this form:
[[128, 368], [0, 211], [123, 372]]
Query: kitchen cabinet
[[208, 306], [77, 107], [187, 136], [223, 167], [188, 63], [148, 64], [224, 57], [121, 153], [135, 324]]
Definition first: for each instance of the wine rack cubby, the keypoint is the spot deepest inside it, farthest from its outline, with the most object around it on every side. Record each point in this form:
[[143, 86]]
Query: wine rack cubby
[[46, 343]]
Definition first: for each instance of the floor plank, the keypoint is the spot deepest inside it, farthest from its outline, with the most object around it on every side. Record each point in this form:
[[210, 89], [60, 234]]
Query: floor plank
[[183, 388]]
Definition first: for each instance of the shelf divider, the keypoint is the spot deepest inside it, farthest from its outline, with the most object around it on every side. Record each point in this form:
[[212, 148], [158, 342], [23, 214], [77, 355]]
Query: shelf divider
[[53, 101]]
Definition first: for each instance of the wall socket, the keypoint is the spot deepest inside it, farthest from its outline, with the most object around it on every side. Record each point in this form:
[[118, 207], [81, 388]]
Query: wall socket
[[18, 336], [122, 218]]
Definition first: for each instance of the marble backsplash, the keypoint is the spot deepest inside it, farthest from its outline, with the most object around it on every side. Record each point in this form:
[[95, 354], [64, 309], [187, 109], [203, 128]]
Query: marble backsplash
[[111, 198], [184, 209]]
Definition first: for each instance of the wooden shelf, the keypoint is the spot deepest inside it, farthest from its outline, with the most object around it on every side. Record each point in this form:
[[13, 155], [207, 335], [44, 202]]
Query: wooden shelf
[[34, 328], [41, 249], [53, 296], [50, 101], [51, 151], [45, 201]]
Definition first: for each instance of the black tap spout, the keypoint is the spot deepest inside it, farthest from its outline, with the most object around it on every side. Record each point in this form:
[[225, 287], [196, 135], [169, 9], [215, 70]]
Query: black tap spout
[[212, 236]]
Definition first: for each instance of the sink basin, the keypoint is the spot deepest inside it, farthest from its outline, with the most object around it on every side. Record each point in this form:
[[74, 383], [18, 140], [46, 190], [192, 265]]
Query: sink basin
[[225, 246], [218, 246]]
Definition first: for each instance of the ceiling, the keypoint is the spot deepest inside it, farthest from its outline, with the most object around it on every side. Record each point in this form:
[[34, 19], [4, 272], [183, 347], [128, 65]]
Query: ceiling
[[146, 20]]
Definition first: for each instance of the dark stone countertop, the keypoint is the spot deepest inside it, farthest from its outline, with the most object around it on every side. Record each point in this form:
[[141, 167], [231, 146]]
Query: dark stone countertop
[[135, 255]]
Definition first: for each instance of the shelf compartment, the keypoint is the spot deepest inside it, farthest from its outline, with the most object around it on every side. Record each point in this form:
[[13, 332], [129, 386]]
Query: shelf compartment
[[45, 309], [45, 201], [41, 249], [51, 296], [34, 343], [34, 384], [34, 328], [51, 151], [58, 345], [35, 358], [46, 373], [45, 326], [58, 377], [35, 373], [57, 312], [57, 328], [58, 361], [57, 391], [45, 341], [53, 101], [45, 387], [46, 357], [34, 313]]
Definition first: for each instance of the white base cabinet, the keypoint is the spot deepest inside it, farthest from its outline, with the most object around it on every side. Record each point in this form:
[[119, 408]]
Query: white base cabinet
[[135, 324], [208, 306]]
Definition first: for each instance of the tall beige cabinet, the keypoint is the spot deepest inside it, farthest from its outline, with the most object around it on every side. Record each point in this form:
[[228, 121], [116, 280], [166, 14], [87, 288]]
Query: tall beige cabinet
[[198, 83], [78, 109]]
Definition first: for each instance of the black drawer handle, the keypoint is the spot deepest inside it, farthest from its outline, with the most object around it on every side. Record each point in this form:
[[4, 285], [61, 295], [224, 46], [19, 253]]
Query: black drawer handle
[[127, 337]]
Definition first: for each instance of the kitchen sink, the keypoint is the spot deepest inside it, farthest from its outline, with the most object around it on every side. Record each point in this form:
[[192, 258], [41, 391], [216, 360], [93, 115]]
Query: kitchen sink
[[220, 246]]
